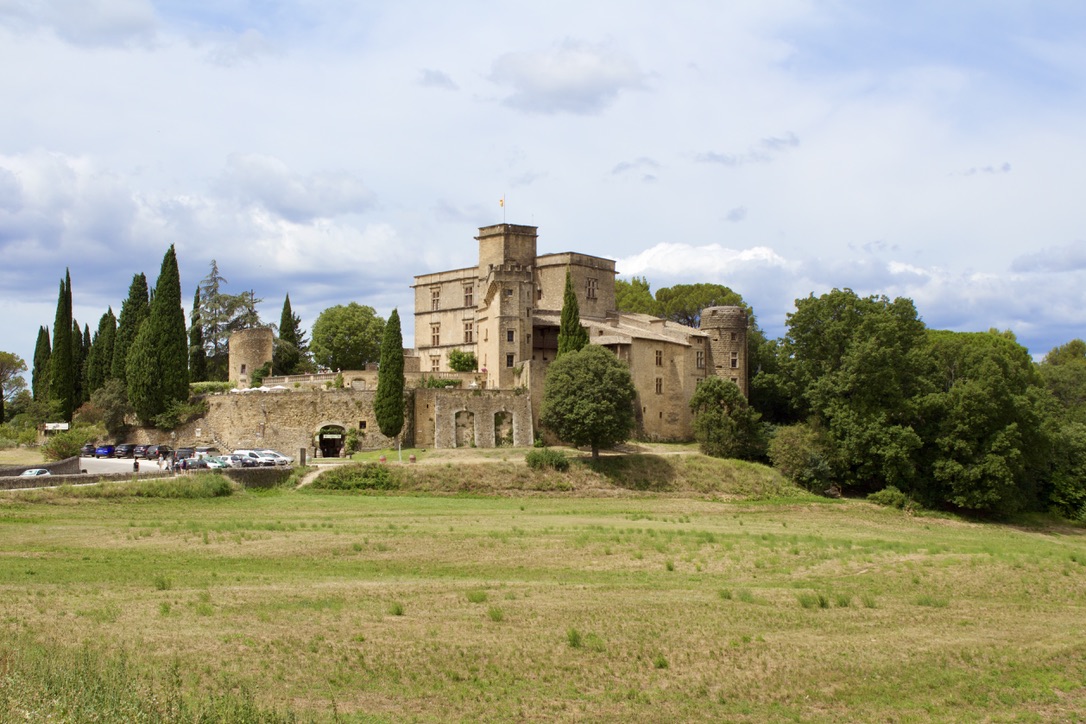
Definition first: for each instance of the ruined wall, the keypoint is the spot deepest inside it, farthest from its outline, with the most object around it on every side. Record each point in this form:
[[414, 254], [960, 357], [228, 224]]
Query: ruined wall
[[436, 420]]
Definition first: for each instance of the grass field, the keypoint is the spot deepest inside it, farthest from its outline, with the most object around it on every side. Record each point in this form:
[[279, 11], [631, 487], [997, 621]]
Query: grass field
[[642, 603]]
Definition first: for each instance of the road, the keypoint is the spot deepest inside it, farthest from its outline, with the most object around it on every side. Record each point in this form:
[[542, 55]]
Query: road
[[113, 465]]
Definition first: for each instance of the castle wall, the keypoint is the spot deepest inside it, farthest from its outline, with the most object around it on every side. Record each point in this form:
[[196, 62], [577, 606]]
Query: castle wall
[[437, 419]]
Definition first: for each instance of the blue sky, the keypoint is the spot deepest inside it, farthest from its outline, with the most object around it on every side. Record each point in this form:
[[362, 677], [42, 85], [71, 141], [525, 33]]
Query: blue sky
[[333, 150]]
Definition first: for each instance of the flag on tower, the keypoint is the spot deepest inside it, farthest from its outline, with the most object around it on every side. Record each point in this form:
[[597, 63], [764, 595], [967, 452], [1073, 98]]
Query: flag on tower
[[501, 202]]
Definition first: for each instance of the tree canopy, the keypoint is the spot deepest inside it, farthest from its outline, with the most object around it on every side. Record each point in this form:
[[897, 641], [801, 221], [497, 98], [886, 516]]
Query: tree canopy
[[724, 423], [347, 337], [12, 367], [588, 399]]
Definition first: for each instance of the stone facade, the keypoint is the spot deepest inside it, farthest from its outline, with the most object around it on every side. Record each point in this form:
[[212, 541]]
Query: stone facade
[[250, 349], [507, 311], [472, 418]]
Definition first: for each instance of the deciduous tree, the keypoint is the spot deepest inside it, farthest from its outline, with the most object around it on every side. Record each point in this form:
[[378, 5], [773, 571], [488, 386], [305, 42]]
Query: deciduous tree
[[12, 367], [725, 426], [347, 337], [588, 399]]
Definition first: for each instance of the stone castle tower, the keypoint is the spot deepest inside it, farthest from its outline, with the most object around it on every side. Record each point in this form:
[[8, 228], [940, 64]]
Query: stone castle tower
[[250, 349], [507, 294], [727, 328]]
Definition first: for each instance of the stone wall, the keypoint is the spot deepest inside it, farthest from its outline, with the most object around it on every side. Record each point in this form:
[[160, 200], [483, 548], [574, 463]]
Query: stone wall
[[68, 466], [437, 421]]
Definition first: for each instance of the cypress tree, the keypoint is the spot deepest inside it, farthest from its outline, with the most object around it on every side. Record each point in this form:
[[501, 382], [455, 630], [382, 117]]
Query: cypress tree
[[388, 402], [134, 311], [157, 370], [61, 379], [100, 357], [79, 357], [571, 335], [39, 377], [291, 345], [197, 353]]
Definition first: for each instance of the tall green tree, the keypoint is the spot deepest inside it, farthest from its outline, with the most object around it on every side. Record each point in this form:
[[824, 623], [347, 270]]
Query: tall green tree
[[12, 383], [134, 312], [100, 358], [40, 376], [222, 314], [858, 365], [347, 337], [571, 335], [62, 373], [158, 371], [986, 444], [388, 403], [291, 346], [588, 399], [80, 350], [635, 296], [725, 426], [197, 353]]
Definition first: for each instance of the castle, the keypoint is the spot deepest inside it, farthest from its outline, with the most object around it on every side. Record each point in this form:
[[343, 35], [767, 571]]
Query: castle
[[506, 311]]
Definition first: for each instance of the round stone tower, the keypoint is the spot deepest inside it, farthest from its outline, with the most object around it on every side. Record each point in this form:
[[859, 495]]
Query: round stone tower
[[250, 349], [727, 328]]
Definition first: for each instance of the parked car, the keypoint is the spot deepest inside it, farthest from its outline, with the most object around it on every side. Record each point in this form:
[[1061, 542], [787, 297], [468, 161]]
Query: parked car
[[238, 461], [257, 457], [204, 451], [154, 452], [87, 450], [215, 462], [279, 458], [124, 450], [140, 451], [104, 451], [192, 463], [34, 472], [182, 453]]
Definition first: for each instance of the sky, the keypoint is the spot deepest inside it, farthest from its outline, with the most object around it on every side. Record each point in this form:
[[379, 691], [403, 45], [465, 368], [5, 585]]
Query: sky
[[332, 150]]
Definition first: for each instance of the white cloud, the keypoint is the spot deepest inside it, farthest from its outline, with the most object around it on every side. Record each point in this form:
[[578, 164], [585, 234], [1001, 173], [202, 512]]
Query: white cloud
[[572, 77], [91, 23]]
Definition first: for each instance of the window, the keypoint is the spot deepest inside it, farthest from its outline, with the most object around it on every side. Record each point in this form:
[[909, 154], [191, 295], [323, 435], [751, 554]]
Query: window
[[592, 287], [435, 364], [659, 358], [539, 293], [508, 360], [435, 298], [469, 295], [735, 360], [700, 356], [509, 291], [469, 332], [529, 311], [733, 336], [435, 335], [361, 424], [243, 369], [509, 335], [659, 385]]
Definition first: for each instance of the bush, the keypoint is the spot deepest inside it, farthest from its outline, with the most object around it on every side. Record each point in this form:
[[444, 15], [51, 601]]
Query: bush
[[179, 413], [801, 454], [66, 444], [543, 458], [461, 361], [207, 388], [364, 476], [891, 497]]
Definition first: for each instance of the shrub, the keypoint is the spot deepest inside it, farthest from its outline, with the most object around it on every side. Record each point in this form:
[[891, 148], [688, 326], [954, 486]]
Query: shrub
[[891, 497], [573, 636], [543, 458], [66, 444], [179, 413], [461, 361], [802, 454], [396, 609], [496, 614], [363, 476], [207, 388]]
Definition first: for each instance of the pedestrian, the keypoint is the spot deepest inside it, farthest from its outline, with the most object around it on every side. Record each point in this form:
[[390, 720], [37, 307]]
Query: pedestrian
[[135, 465]]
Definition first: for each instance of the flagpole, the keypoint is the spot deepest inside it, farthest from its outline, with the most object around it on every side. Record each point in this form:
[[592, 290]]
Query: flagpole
[[502, 202]]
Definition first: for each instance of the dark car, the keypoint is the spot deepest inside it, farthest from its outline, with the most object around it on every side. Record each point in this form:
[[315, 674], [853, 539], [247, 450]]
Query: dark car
[[140, 451], [104, 451], [196, 464], [184, 452], [87, 450], [154, 452], [124, 450]]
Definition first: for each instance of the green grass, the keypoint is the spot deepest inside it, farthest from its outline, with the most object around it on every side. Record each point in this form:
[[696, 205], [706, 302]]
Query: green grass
[[377, 607]]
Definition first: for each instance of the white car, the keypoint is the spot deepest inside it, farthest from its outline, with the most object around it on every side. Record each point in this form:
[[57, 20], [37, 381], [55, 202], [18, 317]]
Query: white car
[[256, 457], [279, 458], [34, 472]]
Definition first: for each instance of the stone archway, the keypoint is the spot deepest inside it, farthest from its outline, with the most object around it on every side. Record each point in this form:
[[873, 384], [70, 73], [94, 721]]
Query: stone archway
[[330, 441], [465, 428], [503, 428]]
